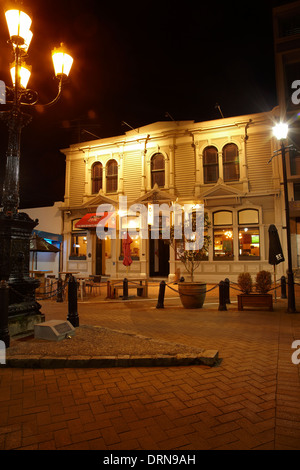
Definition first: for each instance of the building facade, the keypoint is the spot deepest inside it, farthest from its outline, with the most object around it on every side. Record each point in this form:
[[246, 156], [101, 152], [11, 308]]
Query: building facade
[[223, 164]]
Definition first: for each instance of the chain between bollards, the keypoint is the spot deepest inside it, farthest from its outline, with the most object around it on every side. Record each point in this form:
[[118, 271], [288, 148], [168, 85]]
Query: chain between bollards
[[59, 297]]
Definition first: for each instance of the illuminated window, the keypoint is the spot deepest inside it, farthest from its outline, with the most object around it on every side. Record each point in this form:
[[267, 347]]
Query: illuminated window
[[223, 235], [78, 246], [249, 243], [210, 165], [96, 177], [134, 248], [111, 176], [158, 170], [231, 168], [249, 238]]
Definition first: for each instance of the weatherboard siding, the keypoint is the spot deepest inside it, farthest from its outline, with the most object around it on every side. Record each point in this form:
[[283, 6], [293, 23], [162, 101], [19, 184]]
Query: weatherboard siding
[[132, 175], [259, 170], [77, 182], [185, 170]]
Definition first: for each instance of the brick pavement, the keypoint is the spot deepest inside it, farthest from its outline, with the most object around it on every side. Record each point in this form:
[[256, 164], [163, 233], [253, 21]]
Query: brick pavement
[[250, 401]]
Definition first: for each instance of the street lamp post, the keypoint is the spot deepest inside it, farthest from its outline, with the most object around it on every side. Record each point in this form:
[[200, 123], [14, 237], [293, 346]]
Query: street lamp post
[[280, 131], [16, 227]]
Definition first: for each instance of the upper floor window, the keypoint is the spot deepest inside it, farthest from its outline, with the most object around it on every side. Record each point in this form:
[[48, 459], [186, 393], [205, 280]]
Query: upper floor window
[[96, 177], [210, 165], [111, 176], [231, 168], [158, 170]]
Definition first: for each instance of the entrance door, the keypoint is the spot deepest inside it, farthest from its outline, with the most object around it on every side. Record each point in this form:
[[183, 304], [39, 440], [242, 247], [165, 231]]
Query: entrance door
[[99, 258], [159, 255]]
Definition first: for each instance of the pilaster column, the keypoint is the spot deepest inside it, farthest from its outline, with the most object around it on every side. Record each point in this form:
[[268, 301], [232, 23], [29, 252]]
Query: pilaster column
[[172, 168], [199, 171]]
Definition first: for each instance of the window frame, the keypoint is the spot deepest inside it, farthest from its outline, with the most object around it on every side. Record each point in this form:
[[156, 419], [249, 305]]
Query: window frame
[[235, 163], [96, 179], [73, 255], [154, 172], [112, 177], [223, 227], [207, 165]]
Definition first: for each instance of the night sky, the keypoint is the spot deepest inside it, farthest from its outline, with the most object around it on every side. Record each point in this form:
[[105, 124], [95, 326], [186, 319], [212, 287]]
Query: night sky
[[133, 62]]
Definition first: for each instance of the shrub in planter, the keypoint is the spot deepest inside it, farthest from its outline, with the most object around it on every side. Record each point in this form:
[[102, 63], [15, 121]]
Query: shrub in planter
[[245, 282], [263, 282]]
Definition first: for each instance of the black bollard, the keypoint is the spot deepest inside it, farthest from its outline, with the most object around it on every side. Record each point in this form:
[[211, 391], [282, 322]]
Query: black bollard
[[59, 297], [161, 295], [4, 301], [222, 303], [73, 317], [227, 290], [125, 289], [283, 287]]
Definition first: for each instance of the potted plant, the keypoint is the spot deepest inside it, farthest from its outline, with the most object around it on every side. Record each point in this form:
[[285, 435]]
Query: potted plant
[[260, 298], [192, 294], [245, 282], [263, 282]]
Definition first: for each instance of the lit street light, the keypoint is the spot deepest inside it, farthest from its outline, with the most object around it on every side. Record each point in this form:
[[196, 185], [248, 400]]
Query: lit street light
[[15, 227], [280, 131]]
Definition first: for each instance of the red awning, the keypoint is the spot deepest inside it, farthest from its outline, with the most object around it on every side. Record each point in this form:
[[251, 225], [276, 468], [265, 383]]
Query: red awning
[[92, 220]]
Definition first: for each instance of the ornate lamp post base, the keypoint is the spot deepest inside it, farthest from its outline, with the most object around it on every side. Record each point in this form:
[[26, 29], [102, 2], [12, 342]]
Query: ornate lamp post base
[[15, 233]]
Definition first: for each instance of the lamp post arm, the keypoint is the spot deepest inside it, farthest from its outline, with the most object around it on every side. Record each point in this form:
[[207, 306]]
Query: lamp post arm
[[55, 100]]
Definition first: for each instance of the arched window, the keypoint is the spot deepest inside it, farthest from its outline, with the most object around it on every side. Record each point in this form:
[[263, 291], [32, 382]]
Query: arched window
[[96, 177], [210, 165], [111, 176], [158, 170], [231, 167]]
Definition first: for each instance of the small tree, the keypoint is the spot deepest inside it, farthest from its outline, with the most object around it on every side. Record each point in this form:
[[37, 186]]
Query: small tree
[[263, 282], [245, 282], [191, 258]]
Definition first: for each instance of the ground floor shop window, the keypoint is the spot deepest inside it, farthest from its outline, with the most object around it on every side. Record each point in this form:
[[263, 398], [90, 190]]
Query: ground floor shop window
[[223, 244], [78, 246], [223, 235], [134, 248], [249, 243]]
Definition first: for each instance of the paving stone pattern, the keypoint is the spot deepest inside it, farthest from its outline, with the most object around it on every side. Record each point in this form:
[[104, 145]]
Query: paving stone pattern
[[249, 401]]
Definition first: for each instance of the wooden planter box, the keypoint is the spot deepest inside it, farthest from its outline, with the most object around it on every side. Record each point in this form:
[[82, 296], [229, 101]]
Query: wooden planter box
[[255, 300]]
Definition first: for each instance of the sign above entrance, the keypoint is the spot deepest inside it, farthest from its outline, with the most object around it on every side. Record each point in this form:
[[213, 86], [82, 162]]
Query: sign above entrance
[[92, 220]]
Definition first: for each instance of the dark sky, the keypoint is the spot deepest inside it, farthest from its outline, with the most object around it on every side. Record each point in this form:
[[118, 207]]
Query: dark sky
[[133, 62]]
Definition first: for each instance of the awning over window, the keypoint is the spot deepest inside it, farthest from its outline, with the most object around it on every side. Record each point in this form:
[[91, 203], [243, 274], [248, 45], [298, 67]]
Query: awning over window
[[92, 220]]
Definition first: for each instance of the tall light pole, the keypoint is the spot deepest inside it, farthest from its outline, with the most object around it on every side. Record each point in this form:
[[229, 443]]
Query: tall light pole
[[16, 227], [280, 131]]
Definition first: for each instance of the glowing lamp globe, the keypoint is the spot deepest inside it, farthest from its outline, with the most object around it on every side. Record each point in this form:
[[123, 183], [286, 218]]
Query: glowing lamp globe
[[18, 24], [280, 131], [62, 61]]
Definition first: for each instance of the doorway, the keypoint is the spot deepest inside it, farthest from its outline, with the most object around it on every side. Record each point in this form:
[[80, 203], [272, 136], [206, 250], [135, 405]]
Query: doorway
[[159, 255]]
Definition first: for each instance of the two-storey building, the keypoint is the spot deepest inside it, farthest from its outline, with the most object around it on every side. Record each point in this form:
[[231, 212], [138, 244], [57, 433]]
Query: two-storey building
[[224, 164]]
